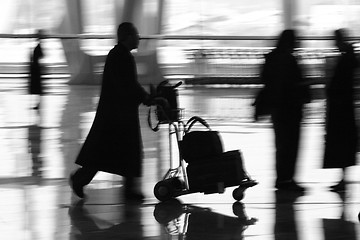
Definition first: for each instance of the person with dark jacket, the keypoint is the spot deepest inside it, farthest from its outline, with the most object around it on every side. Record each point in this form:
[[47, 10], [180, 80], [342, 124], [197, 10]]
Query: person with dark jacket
[[114, 143], [35, 82], [340, 127], [285, 95]]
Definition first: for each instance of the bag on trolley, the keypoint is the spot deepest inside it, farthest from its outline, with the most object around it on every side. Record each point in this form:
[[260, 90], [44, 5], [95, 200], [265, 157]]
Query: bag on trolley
[[216, 173], [210, 169], [165, 99], [170, 94], [199, 145]]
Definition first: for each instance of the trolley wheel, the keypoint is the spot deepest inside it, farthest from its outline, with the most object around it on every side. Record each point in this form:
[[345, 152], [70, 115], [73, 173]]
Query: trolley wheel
[[238, 193], [164, 190]]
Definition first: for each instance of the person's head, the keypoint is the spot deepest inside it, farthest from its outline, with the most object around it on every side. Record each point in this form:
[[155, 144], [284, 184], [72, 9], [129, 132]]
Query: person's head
[[128, 35], [340, 36], [38, 53], [287, 40], [40, 34]]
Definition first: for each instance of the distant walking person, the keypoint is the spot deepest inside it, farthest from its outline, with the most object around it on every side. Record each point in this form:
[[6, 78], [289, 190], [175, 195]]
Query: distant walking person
[[284, 96], [341, 132], [114, 142], [35, 82]]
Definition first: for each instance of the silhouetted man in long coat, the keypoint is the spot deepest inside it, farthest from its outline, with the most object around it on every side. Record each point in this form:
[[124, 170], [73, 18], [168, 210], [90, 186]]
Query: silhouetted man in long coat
[[341, 131], [286, 95], [114, 142]]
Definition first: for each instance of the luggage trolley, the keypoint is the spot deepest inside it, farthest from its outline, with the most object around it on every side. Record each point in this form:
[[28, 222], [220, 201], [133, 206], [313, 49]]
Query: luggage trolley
[[202, 166]]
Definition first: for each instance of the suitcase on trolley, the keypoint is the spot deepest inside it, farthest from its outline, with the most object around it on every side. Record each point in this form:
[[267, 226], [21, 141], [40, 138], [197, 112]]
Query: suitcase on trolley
[[213, 175]]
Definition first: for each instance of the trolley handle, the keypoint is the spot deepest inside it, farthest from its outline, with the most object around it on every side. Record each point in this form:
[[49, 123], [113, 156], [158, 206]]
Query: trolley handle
[[166, 82], [194, 120]]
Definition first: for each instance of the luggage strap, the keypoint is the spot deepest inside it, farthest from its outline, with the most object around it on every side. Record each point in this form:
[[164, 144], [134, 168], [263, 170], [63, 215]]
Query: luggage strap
[[190, 123]]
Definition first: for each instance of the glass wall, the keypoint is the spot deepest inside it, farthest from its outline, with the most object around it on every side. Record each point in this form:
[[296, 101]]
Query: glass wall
[[321, 17], [98, 16], [180, 17], [258, 17], [26, 17], [30, 15], [226, 17], [188, 17]]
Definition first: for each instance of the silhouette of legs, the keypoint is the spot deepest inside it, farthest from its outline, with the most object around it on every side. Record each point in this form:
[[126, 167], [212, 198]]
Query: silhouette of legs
[[80, 178], [131, 189], [287, 134]]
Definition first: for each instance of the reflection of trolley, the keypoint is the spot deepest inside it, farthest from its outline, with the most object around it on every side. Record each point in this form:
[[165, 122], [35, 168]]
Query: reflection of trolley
[[202, 166], [191, 222]]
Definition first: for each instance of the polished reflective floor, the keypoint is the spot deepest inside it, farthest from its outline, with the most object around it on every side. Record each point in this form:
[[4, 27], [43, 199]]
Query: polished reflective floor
[[38, 149]]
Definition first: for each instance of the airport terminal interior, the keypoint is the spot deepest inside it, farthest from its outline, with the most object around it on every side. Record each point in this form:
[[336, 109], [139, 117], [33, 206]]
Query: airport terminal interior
[[216, 50]]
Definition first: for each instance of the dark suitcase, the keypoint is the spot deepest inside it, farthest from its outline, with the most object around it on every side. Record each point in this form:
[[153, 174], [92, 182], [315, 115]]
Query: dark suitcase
[[199, 145], [221, 171]]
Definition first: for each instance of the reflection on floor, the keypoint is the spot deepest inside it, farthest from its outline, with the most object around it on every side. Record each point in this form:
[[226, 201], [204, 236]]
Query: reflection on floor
[[38, 150]]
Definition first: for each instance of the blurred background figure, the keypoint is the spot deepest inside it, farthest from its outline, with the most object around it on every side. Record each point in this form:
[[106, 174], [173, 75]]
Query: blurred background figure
[[35, 82], [341, 132], [285, 97]]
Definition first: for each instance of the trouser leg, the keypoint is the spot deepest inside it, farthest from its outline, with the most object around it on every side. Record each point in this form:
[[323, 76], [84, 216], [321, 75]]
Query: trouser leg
[[287, 135], [132, 184]]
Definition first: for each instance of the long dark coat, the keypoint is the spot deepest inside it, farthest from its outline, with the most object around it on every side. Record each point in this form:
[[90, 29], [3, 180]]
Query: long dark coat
[[114, 142], [341, 132], [283, 81], [35, 81], [285, 95]]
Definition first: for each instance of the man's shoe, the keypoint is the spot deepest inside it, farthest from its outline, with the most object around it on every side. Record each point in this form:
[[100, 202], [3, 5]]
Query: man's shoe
[[289, 186], [77, 190]]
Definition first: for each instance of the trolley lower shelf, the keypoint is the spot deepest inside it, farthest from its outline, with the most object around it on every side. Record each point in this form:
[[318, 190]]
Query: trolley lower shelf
[[174, 187]]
